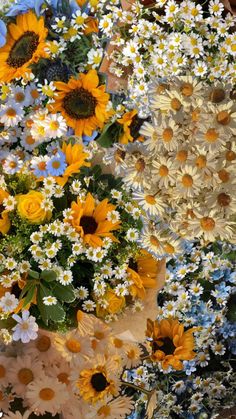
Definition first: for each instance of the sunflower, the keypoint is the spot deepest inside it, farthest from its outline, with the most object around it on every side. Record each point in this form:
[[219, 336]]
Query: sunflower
[[25, 45], [82, 102], [97, 379], [91, 221], [170, 343], [131, 126], [142, 271], [5, 223], [75, 159]]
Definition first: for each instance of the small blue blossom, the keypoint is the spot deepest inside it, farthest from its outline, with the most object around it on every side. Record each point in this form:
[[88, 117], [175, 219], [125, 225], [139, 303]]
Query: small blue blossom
[[189, 367], [232, 346], [3, 33], [88, 138], [22, 6], [57, 164]]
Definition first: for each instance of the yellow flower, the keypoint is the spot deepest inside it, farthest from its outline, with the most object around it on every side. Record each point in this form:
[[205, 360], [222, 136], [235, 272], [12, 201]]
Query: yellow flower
[[115, 304], [91, 221], [75, 159], [30, 207], [5, 223], [25, 45], [170, 343], [131, 126], [82, 102], [143, 273]]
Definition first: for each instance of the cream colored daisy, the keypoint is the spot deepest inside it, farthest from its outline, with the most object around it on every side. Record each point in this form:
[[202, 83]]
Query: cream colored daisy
[[204, 161], [211, 137], [223, 200], [152, 241], [5, 362], [137, 172], [61, 370], [117, 408], [46, 394], [98, 331], [5, 399], [73, 344], [210, 226], [23, 371], [226, 176], [18, 415], [188, 86], [224, 116], [152, 204], [169, 101], [75, 408], [164, 134], [181, 156], [172, 246], [133, 356], [43, 347], [188, 183], [164, 172]]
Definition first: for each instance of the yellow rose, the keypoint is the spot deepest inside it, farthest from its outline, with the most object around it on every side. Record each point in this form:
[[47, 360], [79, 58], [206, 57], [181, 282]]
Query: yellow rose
[[115, 304], [30, 207], [5, 223]]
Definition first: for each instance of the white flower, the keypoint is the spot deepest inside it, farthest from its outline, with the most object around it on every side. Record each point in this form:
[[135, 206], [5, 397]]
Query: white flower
[[113, 216], [8, 303], [132, 235], [26, 329], [88, 306], [81, 293], [65, 277], [49, 300]]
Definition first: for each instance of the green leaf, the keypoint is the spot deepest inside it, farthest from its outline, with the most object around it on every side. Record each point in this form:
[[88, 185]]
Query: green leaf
[[26, 288], [30, 295], [64, 293], [109, 135], [33, 274], [49, 276], [54, 313]]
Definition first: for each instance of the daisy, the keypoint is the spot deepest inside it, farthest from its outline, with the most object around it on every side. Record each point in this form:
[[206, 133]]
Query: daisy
[[26, 329], [60, 370], [117, 408], [151, 241], [211, 137], [12, 164], [43, 347], [28, 141], [222, 200], [210, 226], [8, 303], [225, 116], [18, 415], [164, 171], [20, 96], [11, 114], [23, 371], [72, 344], [188, 182], [170, 101], [153, 205], [133, 354], [49, 300], [46, 394], [137, 172], [4, 368], [168, 132], [55, 126]]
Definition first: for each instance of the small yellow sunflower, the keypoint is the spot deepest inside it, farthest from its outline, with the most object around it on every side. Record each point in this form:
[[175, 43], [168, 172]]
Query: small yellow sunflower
[[131, 126], [170, 343], [82, 102], [25, 45], [91, 221], [143, 273]]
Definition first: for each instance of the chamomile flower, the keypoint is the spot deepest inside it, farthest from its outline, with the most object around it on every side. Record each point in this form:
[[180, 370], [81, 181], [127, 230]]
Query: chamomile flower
[[49, 300], [55, 126], [11, 114], [8, 302]]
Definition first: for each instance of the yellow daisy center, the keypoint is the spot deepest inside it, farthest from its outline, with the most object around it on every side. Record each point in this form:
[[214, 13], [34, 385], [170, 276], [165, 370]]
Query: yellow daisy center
[[140, 165], [150, 199], [23, 49], [11, 112], [230, 155], [163, 170], [154, 241], [118, 343], [167, 134], [187, 89], [187, 181], [224, 175], [131, 354], [201, 162], [79, 104], [119, 155], [54, 125], [73, 345], [169, 248], [182, 155], [43, 344], [175, 104], [19, 97], [211, 135], [207, 223], [99, 335], [25, 376], [47, 394], [223, 117], [41, 165], [29, 140], [35, 94]]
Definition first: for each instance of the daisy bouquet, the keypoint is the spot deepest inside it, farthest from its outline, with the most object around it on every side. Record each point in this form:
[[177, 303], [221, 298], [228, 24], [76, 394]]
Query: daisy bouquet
[[192, 378], [71, 376], [180, 164], [165, 38]]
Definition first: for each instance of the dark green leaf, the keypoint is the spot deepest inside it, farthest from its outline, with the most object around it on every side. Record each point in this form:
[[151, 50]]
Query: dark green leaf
[[64, 292], [33, 274], [54, 313], [30, 295], [49, 276], [110, 134]]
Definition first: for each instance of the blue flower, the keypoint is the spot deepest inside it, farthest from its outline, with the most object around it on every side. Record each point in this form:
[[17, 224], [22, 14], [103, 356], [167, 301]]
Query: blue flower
[[22, 6], [3, 33], [189, 367], [57, 164], [87, 138]]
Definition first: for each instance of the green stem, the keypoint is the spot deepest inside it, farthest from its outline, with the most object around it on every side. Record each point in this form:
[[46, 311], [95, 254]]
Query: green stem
[[147, 392]]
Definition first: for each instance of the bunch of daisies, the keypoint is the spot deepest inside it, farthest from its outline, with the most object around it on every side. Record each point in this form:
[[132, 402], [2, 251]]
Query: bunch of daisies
[[169, 37], [74, 374], [200, 293], [181, 166]]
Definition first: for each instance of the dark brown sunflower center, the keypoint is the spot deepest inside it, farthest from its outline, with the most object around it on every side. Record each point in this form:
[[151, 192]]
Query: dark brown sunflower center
[[135, 126], [133, 265], [99, 382], [168, 347], [23, 49], [79, 104], [89, 224]]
